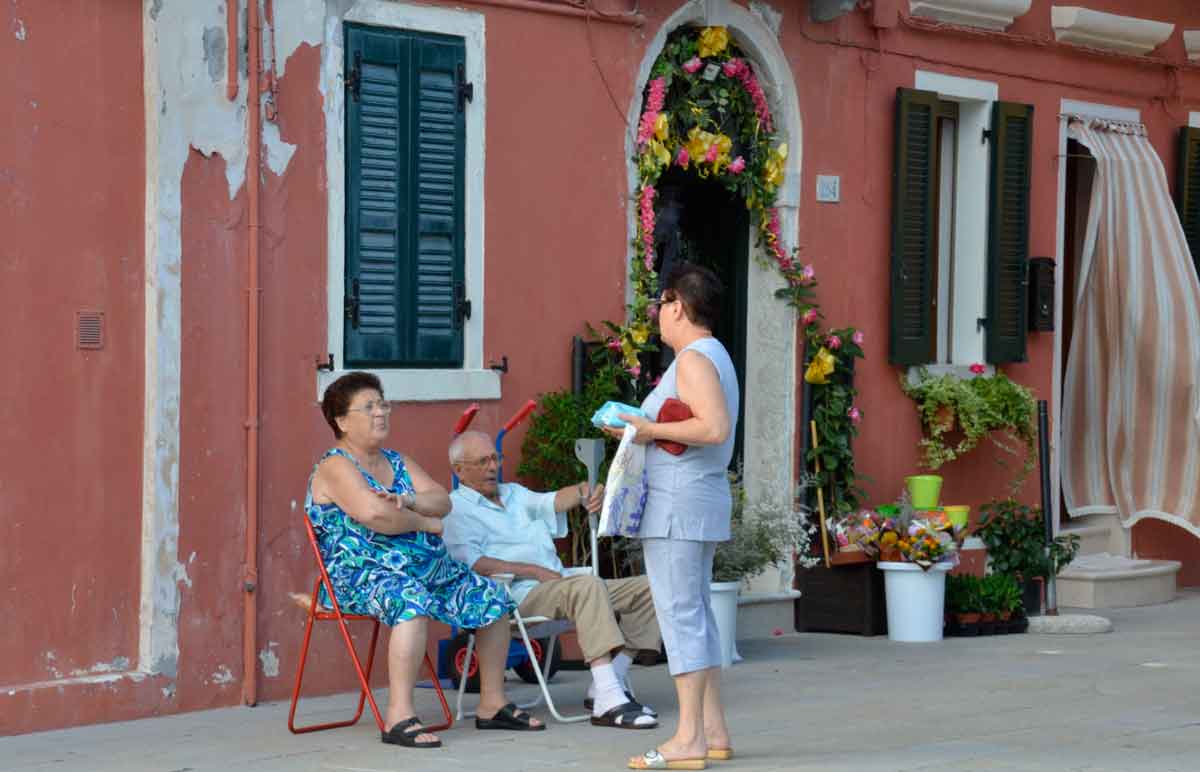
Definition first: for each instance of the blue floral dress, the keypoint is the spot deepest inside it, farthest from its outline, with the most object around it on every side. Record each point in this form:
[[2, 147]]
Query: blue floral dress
[[397, 578]]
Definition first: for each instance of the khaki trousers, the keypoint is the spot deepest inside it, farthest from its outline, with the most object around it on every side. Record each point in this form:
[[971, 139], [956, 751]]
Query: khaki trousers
[[592, 604]]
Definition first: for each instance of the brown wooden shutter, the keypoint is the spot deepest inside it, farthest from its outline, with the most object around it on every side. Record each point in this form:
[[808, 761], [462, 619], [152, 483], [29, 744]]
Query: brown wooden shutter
[[1008, 232]]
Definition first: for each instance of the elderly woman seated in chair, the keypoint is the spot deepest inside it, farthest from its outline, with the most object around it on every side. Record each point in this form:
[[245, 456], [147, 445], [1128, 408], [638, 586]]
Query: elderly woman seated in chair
[[378, 519]]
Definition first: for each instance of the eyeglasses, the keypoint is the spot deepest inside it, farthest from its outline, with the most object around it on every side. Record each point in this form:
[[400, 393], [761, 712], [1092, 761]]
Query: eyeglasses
[[371, 407], [486, 461], [660, 302]]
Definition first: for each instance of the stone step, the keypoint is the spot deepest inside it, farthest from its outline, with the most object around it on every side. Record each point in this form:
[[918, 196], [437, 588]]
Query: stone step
[[1093, 539], [1111, 581]]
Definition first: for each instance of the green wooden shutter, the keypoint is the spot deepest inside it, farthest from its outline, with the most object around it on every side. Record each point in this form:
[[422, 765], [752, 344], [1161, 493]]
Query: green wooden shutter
[[912, 333], [439, 128], [1008, 232], [405, 150], [1187, 189]]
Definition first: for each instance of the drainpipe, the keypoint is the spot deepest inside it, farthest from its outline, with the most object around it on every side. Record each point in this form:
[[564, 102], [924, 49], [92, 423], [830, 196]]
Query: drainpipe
[[231, 50], [253, 164]]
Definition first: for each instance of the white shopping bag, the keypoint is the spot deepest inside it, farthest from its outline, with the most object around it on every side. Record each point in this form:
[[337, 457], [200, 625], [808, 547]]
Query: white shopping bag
[[626, 489]]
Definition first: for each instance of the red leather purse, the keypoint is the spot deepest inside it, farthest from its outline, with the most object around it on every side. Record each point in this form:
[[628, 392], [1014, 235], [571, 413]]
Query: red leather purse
[[671, 411]]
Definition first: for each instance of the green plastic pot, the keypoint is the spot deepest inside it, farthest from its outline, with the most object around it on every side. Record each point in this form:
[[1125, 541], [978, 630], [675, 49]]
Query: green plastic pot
[[958, 514], [924, 490]]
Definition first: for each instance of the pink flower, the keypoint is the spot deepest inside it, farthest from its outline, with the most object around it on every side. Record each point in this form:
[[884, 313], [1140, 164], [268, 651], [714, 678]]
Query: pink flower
[[693, 64], [978, 369], [682, 158], [654, 382], [635, 371], [854, 415], [654, 103], [713, 152], [808, 273], [738, 166], [858, 337], [809, 316], [785, 263], [733, 68], [833, 342], [646, 217], [652, 312], [614, 344], [778, 631]]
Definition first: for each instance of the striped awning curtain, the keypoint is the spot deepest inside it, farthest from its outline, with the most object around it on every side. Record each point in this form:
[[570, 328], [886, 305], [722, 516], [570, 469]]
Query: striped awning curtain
[[1131, 395]]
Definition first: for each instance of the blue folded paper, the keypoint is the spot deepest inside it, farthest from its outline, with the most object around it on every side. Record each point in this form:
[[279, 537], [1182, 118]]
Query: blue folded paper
[[608, 414]]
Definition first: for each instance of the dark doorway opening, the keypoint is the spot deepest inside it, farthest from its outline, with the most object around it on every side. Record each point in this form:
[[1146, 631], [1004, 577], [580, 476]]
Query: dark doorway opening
[[700, 221]]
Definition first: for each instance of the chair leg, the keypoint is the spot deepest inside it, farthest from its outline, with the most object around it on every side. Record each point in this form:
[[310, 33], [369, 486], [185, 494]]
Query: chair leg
[[437, 687], [541, 678], [462, 679], [364, 677]]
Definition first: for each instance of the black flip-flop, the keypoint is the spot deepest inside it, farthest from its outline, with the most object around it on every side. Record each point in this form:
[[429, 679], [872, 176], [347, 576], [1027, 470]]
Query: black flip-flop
[[509, 717], [405, 733], [625, 716], [589, 703]]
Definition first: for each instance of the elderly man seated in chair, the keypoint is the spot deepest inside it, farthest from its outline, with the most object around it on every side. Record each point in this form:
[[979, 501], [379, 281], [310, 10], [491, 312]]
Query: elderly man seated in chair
[[505, 528]]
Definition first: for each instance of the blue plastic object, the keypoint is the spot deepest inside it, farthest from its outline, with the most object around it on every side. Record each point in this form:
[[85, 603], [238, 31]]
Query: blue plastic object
[[608, 414]]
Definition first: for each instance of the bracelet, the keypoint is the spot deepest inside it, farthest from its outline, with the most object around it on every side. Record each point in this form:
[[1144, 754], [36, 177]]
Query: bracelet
[[581, 494]]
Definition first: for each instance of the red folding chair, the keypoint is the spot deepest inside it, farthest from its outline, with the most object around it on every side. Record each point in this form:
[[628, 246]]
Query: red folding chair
[[317, 613]]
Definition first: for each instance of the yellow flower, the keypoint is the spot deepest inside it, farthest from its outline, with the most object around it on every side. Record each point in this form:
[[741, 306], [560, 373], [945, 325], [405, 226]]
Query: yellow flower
[[820, 368], [640, 334], [724, 145], [662, 126], [658, 153], [697, 144], [713, 41]]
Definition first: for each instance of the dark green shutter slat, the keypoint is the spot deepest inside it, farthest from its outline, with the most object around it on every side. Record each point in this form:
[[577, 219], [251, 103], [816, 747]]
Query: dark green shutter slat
[[405, 169], [912, 333], [1008, 232], [1187, 190], [439, 129]]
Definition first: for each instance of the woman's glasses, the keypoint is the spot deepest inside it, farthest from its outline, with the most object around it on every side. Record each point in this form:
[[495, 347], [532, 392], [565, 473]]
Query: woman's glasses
[[372, 407]]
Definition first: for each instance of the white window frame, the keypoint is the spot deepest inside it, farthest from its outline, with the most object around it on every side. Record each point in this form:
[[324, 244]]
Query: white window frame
[[971, 193], [473, 380]]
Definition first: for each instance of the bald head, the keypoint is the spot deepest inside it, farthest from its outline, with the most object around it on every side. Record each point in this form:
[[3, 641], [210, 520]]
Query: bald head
[[470, 444]]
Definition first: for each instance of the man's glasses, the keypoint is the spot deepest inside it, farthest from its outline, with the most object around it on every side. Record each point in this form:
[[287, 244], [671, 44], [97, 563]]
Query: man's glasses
[[372, 407], [486, 461]]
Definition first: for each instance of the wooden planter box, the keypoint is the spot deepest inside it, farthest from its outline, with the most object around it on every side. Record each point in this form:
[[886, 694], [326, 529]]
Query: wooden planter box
[[847, 597]]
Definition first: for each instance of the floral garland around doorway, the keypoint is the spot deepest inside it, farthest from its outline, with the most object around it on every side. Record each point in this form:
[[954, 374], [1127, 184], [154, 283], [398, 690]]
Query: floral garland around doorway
[[705, 111]]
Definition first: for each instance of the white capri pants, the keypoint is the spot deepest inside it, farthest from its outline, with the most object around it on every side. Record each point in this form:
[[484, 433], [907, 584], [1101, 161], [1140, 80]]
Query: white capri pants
[[680, 573]]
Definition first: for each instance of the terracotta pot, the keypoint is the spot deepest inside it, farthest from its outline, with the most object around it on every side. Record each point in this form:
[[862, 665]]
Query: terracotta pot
[[1005, 616], [987, 617], [967, 618], [943, 418]]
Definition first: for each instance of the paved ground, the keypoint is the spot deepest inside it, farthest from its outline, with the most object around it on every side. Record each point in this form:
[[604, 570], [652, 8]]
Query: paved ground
[[1123, 701]]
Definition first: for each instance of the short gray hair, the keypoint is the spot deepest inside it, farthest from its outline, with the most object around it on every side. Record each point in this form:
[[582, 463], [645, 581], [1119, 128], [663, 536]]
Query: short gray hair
[[458, 445]]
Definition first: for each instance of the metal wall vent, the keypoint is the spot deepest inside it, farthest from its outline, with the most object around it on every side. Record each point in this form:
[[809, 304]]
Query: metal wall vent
[[89, 330]]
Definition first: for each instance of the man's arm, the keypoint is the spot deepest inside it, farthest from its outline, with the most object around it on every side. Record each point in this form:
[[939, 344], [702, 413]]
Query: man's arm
[[486, 566]]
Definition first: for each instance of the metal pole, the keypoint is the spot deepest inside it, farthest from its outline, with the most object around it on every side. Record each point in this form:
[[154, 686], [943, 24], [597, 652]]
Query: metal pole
[[1047, 510]]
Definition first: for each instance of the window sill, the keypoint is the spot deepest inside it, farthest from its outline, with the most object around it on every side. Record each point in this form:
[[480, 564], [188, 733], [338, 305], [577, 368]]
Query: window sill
[[426, 385], [912, 376]]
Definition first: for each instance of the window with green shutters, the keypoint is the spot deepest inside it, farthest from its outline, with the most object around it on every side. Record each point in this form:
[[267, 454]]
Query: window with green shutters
[[938, 312], [405, 159], [1187, 189]]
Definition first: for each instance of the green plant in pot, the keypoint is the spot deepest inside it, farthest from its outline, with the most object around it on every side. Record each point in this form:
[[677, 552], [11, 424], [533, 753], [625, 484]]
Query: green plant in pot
[[956, 413], [762, 536], [1015, 537], [963, 601]]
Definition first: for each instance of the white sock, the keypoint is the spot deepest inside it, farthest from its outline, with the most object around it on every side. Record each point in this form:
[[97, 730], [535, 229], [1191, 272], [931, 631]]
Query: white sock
[[609, 693]]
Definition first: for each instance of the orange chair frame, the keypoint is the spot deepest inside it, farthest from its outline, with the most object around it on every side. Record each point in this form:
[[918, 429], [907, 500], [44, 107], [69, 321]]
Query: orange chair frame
[[315, 614]]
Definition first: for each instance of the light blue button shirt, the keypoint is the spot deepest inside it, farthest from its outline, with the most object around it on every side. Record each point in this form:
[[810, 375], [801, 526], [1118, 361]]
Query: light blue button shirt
[[523, 530]]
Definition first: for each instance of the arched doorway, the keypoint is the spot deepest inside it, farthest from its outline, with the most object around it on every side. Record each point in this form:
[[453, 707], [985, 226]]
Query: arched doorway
[[769, 414]]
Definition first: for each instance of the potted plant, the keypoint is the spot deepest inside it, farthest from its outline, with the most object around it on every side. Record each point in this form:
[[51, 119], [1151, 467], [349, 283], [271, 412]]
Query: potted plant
[[956, 413], [760, 536], [963, 604], [1015, 537]]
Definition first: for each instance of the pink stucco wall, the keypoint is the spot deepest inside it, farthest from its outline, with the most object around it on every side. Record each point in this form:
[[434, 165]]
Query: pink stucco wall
[[71, 178]]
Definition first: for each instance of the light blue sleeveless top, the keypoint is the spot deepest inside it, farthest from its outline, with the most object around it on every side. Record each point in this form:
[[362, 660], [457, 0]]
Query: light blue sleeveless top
[[689, 494]]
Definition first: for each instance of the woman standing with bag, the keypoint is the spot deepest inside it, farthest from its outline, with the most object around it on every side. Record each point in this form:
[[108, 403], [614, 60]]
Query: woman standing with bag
[[688, 510]]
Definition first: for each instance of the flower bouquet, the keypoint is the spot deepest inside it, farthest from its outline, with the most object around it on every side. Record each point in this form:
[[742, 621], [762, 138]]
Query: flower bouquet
[[898, 533]]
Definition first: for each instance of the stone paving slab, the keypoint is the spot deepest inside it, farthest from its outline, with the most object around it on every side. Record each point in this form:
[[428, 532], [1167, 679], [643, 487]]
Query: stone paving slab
[[1124, 701]]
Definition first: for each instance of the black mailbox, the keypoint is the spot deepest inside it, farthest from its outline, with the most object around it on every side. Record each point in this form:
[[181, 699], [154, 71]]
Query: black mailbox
[[1041, 294]]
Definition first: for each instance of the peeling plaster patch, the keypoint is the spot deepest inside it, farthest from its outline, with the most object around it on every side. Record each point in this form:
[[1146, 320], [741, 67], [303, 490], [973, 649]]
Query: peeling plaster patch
[[270, 662], [169, 691], [769, 15], [51, 658], [293, 505], [118, 665], [19, 30], [191, 559], [279, 153], [155, 9], [222, 676], [303, 23], [214, 52]]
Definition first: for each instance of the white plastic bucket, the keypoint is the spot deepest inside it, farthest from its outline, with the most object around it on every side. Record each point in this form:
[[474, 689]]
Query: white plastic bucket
[[914, 600], [724, 606]]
